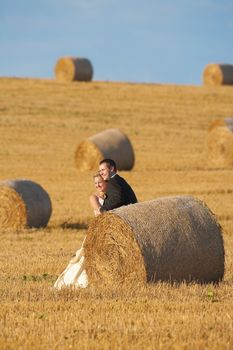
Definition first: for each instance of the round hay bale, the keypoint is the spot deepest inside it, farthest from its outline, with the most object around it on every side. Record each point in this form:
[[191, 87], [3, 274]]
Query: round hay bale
[[227, 122], [23, 203], [170, 239], [219, 144], [110, 143], [218, 74], [73, 69]]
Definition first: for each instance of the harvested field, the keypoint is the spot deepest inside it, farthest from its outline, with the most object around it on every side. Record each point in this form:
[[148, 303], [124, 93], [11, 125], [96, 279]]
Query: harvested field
[[41, 123]]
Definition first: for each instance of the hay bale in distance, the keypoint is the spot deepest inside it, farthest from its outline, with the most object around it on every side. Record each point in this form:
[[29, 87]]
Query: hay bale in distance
[[23, 204], [166, 239], [73, 69], [219, 143], [218, 74], [227, 122], [110, 143]]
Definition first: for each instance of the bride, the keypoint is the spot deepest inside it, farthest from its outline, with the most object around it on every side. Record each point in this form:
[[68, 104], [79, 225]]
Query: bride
[[97, 198], [75, 274]]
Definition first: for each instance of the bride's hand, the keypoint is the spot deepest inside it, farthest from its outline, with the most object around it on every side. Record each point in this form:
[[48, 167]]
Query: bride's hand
[[102, 195], [97, 212]]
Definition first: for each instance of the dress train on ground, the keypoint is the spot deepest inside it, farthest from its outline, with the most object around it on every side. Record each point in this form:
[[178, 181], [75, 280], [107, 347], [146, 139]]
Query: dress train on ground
[[75, 274]]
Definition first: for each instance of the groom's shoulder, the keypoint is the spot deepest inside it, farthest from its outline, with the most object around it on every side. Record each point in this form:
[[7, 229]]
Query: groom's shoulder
[[116, 179]]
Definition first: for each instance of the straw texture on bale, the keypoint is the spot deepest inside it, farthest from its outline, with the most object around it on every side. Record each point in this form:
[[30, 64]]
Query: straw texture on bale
[[23, 204], [110, 143], [219, 143], [218, 74], [73, 69], [167, 239]]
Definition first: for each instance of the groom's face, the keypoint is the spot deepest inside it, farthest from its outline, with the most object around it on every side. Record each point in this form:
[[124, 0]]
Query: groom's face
[[105, 171]]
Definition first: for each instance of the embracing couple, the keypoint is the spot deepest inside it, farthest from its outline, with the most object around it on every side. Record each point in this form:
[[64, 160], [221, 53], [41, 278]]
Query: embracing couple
[[112, 190]]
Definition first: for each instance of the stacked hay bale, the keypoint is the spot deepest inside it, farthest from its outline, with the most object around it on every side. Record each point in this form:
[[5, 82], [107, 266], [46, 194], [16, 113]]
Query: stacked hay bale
[[23, 204], [73, 69], [110, 143], [167, 239], [218, 74], [219, 143]]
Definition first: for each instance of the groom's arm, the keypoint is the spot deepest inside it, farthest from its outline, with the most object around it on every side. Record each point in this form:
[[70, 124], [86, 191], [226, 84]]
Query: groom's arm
[[115, 197]]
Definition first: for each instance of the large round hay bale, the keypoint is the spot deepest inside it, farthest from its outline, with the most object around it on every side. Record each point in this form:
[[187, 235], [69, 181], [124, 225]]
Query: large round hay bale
[[219, 143], [23, 204], [218, 74], [110, 143], [167, 239], [73, 69]]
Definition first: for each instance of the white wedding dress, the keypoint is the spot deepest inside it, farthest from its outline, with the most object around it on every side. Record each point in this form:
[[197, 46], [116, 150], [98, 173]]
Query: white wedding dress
[[75, 274]]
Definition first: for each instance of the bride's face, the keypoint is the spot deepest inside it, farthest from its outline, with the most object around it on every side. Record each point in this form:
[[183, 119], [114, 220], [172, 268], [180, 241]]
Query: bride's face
[[100, 184]]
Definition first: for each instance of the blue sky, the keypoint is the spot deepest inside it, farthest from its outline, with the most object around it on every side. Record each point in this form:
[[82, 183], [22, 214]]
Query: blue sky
[[156, 41]]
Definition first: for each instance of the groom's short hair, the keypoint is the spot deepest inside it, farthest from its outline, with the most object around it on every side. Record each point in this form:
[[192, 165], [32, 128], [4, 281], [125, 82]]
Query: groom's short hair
[[109, 162]]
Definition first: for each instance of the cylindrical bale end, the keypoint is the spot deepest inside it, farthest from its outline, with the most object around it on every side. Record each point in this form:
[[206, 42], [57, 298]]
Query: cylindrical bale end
[[23, 204], [87, 156], [112, 253], [218, 74], [73, 69], [13, 212], [170, 239], [110, 143], [219, 145]]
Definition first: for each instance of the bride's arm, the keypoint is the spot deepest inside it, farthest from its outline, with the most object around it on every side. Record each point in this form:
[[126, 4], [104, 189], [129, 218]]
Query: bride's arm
[[94, 201]]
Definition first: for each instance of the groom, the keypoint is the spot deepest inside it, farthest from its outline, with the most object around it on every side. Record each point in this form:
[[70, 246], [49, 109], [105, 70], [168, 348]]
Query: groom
[[119, 191]]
